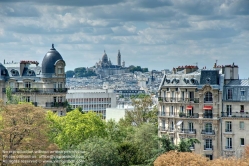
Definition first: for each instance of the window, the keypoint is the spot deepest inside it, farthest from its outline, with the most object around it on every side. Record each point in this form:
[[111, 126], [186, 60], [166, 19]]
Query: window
[[12, 84], [59, 84], [61, 113], [242, 141], [229, 94], [229, 143], [26, 98], [55, 99], [242, 93], [172, 94], [27, 84], [191, 96], [208, 143], [208, 97], [172, 110], [229, 110], [182, 95], [208, 127], [163, 124], [191, 126], [182, 109], [241, 125], [172, 125], [60, 99], [241, 108], [228, 126]]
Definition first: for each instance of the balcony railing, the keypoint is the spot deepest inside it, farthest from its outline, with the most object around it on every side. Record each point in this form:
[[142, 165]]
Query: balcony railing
[[208, 115], [239, 114], [56, 104], [228, 130], [161, 113], [36, 90], [187, 131], [208, 147], [162, 128], [188, 115], [208, 132], [171, 129], [178, 99], [228, 147]]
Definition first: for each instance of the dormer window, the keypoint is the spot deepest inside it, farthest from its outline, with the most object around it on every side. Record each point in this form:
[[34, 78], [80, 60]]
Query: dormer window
[[208, 80], [30, 72], [14, 72]]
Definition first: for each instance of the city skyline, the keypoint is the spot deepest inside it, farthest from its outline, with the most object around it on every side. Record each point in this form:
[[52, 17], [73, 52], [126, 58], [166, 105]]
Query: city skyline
[[159, 34]]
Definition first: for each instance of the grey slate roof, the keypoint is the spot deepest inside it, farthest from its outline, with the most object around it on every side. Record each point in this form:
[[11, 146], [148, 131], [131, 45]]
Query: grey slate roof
[[209, 77], [49, 60], [244, 82]]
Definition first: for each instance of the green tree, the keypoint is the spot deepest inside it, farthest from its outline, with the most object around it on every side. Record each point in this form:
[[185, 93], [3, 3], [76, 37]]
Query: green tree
[[143, 112], [69, 73], [185, 144], [128, 153], [23, 127], [116, 132], [99, 152], [145, 140], [75, 127], [12, 99]]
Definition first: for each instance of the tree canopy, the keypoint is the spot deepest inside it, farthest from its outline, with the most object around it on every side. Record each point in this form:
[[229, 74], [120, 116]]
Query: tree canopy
[[75, 127], [22, 127]]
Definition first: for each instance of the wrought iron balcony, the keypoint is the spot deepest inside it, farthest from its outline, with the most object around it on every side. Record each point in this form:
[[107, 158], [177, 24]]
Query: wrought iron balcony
[[187, 131], [178, 99], [161, 113], [228, 147], [208, 132], [208, 115], [228, 130], [36, 90], [239, 114], [162, 128], [171, 129], [56, 104], [208, 147]]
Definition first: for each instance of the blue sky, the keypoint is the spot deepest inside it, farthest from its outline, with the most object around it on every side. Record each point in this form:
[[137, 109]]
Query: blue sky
[[158, 34]]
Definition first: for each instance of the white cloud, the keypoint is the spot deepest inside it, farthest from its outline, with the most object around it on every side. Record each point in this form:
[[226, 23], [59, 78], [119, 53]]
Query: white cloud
[[155, 34]]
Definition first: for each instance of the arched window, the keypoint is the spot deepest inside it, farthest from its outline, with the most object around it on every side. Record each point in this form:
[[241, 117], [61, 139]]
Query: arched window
[[208, 97]]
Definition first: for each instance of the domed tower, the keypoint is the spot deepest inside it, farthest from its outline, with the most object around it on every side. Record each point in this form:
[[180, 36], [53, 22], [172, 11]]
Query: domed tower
[[119, 58], [104, 58], [53, 62]]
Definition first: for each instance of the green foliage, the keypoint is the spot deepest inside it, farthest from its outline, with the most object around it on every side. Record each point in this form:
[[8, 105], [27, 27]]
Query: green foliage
[[12, 99], [185, 144], [140, 96], [83, 72], [116, 132], [138, 68], [128, 153], [145, 139], [99, 152], [69, 73], [142, 112], [75, 127]]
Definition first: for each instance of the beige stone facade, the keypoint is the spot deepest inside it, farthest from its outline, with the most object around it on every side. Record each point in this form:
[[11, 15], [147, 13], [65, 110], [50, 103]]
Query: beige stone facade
[[44, 85], [210, 105]]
